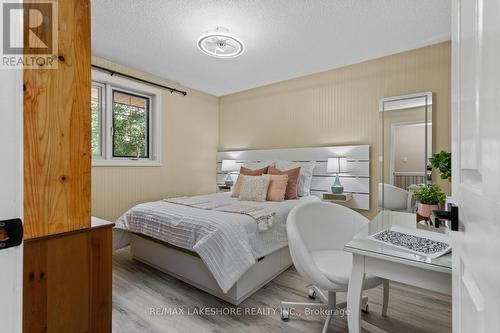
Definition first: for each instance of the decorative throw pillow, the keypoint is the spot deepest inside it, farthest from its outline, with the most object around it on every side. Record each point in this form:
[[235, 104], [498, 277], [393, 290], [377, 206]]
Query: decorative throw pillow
[[305, 178], [246, 172], [277, 187], [254, 188], [292, 183]]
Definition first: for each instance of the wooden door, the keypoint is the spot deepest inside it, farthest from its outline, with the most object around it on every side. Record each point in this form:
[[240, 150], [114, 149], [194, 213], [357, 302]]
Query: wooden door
[[476, 165], [57, 156], [67, 264]]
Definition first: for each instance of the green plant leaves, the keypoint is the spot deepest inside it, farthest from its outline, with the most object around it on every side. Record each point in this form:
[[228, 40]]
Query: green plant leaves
[[429, 195], [442, 162]]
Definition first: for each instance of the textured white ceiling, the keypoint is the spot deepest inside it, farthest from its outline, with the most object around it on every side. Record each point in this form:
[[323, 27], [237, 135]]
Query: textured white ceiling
[[284, 38]]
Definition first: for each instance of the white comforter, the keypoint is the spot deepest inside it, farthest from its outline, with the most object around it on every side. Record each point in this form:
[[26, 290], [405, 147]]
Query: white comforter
[[228, 243]]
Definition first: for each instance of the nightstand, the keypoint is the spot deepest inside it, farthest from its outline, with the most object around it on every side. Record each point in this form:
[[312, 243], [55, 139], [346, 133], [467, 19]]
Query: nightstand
[[224, 188], [337, 198]]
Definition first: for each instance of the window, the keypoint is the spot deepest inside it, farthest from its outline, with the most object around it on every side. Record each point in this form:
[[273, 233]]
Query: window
[[130, 125], [125, 122]]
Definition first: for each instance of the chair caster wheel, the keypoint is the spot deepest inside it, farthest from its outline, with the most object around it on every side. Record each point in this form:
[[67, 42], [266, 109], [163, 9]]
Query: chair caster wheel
[[311, 294], [365, 308], [285, 314]]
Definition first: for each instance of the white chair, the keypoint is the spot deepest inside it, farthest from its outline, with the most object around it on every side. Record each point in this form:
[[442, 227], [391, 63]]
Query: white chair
[[317, 233], [395, 198]]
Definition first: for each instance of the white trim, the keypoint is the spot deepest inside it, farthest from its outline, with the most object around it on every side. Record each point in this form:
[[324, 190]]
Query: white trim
[[405, 101], [126, 85], [126, 163], [102, 119], [457, 263], [11, 204]]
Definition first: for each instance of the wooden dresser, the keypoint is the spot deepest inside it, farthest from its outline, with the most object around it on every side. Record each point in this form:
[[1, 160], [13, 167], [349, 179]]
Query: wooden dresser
[[67, 259]]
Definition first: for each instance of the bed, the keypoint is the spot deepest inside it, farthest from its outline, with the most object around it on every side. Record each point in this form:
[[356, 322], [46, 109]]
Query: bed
[[223, 253]]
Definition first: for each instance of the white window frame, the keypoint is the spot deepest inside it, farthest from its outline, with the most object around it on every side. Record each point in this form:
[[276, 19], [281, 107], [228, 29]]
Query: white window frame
[[111, 83], [102, 116]]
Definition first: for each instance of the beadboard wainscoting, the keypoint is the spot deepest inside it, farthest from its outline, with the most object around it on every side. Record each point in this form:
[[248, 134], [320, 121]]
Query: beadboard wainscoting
[[189, 147], [339, 107]]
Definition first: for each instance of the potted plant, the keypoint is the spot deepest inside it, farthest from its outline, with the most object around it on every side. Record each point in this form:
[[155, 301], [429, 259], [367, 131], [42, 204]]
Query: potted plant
[[429, 198], [442, 162]]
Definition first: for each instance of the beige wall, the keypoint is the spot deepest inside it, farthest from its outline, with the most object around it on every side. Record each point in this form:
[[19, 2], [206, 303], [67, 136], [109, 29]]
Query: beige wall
[[409, 148], [189, 146], [410, 116], [338, 107]]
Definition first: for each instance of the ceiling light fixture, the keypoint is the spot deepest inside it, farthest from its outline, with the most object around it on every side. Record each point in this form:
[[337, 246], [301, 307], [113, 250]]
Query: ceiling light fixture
[[221, 44]]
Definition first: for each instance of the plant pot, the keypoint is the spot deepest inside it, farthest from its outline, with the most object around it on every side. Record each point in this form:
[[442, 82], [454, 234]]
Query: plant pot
[[426, 210]]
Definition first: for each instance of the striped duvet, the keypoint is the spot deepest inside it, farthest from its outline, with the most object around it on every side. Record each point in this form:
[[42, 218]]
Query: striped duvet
[[228, 243]]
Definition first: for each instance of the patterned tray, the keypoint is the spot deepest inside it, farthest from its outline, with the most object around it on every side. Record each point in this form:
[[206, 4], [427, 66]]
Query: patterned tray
[[420, 245]]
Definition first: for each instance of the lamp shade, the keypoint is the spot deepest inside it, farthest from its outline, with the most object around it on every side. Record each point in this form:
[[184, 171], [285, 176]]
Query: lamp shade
[[336, 165], [229, 165]]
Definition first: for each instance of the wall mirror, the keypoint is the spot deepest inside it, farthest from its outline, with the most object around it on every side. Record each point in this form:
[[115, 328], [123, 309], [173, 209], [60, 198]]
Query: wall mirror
[[406, 130]]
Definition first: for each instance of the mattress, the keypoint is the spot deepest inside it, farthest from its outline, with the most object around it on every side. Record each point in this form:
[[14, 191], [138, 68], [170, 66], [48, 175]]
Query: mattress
[[228, 243]]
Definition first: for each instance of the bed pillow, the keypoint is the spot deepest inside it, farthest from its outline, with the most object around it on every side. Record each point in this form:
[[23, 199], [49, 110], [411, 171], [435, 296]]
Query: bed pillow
[[277, 187], [246, 172], [254, 188], [292, 183], [305, 177]]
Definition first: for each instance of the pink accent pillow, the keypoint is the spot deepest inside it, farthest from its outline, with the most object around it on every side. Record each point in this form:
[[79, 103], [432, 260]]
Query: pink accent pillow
[[246, 172], [254, 188], [293, 180], [277, 187]]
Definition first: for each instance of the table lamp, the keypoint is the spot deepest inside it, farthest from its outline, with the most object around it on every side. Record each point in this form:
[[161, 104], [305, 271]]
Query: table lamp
[[337, 165], [229, 166]]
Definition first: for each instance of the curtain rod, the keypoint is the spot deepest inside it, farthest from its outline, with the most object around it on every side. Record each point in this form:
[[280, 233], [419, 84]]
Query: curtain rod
[[112, 72]]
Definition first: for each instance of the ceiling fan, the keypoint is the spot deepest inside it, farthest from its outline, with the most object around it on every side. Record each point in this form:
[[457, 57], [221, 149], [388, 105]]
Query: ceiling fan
[[221, 44]]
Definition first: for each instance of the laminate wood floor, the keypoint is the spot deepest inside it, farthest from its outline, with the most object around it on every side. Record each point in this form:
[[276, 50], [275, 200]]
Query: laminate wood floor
[[139, 289]]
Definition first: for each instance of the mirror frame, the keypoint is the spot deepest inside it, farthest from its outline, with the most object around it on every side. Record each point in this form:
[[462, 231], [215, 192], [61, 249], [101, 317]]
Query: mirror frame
[[401, 102]]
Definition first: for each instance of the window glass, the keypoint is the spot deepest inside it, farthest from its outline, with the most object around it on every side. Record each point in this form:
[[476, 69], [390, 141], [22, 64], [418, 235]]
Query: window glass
[[130, 125]]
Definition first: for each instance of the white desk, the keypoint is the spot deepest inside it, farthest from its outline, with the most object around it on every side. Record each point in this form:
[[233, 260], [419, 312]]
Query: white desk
[[371, 257]]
